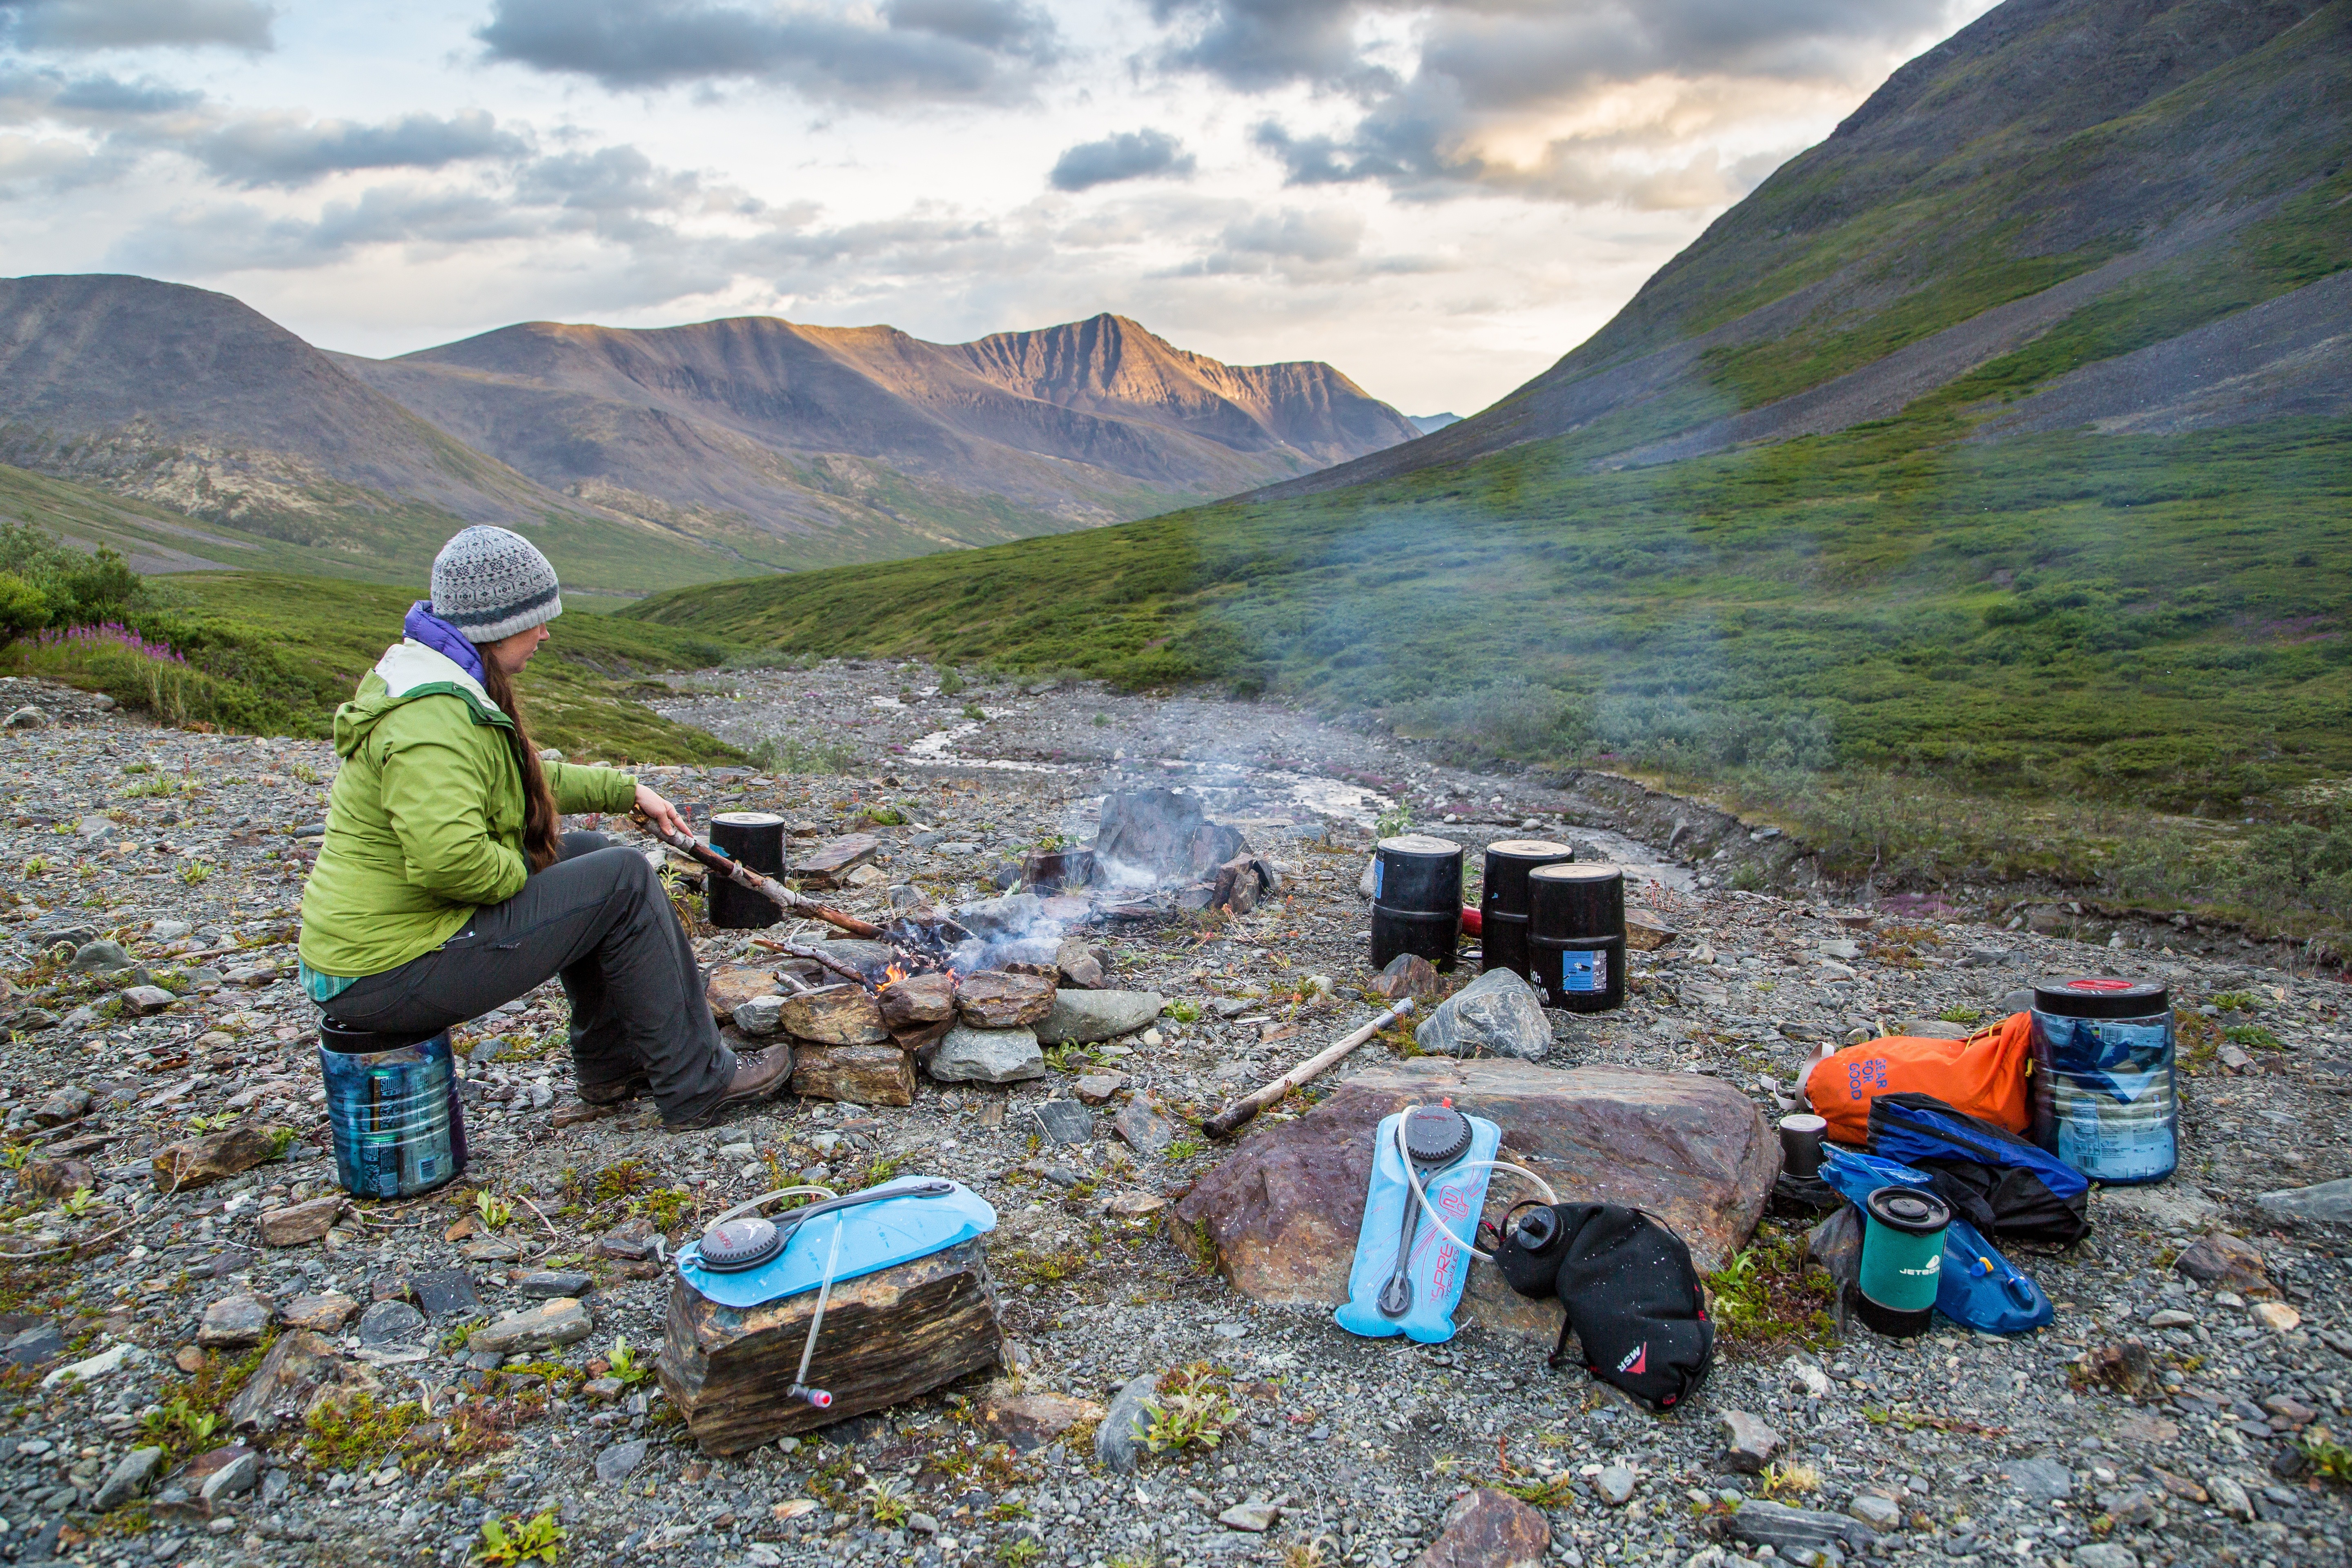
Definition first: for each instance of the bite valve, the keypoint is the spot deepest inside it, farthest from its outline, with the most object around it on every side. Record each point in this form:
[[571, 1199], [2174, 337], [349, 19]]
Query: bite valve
[[818, 1398]]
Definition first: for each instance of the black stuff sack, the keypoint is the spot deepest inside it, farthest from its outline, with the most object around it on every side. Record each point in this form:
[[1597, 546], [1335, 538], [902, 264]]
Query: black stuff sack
[[1997, 1182], [1631, 1296]]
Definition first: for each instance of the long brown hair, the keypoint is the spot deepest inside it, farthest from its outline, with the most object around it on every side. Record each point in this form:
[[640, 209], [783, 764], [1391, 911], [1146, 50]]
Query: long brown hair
[[539, 814]]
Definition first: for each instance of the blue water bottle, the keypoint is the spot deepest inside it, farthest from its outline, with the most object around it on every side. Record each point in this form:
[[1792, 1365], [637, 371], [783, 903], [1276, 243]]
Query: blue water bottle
[[392, 1102]]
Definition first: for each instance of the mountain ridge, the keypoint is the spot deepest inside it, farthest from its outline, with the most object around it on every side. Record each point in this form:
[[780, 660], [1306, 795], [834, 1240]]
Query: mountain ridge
[[711, 449]]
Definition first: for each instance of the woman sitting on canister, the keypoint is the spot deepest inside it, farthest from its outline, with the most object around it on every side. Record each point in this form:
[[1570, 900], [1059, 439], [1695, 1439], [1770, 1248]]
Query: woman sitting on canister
[[444, 887]]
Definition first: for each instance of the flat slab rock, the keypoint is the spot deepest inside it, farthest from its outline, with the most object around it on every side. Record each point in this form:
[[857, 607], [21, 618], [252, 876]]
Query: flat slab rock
[[1281, 1213]]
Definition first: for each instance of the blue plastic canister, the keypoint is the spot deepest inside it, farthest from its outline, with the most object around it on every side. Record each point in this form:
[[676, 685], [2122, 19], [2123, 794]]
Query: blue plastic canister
[[392, 1102], [2102, 1087]]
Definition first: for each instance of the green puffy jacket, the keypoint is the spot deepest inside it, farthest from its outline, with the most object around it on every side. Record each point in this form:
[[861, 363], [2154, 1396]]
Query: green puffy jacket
[[424, 822]]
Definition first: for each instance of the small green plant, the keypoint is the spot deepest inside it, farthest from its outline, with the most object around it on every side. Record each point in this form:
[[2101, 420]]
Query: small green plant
[[1184, 1149], [1068, 1056], [1747, 877], [280, 1140], [179, 1428], [1191, 1408], [2236, 1001], [889, 1500], [796, 755], [973, 711], [1102, 720], [1966, 1017], [1763, 1296], [513, 1541], [18, 1157], [1019, 1552], [2330, 1459], [2253, 1037], [1184, 1012], [34, 866], [951, 681], [78, 1202], [1396, 819], [1793, 1480], [304, 772], [493, 1211], [625, 1364], [195, 874]]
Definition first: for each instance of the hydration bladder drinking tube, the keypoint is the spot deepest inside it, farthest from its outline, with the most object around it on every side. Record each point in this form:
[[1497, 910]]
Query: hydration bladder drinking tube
[[1413, 1289], [742, 1238]]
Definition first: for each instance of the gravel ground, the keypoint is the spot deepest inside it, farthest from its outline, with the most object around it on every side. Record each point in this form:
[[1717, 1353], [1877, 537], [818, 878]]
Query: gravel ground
[[186, 851]]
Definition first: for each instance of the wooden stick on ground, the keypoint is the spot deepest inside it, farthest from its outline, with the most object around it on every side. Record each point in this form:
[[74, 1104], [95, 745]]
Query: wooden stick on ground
[[767, 887], [1233, 1117]]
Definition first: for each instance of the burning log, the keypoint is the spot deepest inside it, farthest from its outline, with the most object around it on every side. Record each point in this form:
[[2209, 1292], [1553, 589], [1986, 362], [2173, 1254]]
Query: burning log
[[1237, 1115], [727, 865]]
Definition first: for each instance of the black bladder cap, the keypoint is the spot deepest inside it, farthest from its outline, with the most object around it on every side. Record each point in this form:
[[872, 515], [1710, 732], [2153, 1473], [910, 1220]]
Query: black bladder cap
[[1909, 1210], [2100, 996], [1436, 1135], [1536, 1228], [744, 1242], [1566, 901]]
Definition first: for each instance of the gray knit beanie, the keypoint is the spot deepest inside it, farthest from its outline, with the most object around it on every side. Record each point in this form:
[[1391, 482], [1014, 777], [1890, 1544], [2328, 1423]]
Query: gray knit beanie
[[490, 584]]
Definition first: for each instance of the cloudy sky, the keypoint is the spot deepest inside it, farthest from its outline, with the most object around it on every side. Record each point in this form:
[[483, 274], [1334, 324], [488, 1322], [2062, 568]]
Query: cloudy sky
[[1439, 196]]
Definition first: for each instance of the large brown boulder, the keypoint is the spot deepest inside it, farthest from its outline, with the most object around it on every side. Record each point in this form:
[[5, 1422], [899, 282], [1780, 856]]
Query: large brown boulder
[[1281, 1214]]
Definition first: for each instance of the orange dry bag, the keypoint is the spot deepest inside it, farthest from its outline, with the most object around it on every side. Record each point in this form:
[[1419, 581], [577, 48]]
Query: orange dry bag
[[1983, 1075]]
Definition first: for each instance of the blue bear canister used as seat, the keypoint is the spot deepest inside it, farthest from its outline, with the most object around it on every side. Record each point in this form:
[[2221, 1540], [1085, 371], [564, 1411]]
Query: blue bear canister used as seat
[[392, 1102]]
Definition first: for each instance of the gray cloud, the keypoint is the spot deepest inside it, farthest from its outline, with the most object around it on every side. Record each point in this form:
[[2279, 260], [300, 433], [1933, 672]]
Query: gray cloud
[[1129, 155], [923, 48], [87, 101], [286, 153], [73, 25], [1481, 64]]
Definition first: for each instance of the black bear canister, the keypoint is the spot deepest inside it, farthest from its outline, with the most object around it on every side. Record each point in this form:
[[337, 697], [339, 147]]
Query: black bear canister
[[1576, 935], [1503, 899], [1416, 899], [757, 839]]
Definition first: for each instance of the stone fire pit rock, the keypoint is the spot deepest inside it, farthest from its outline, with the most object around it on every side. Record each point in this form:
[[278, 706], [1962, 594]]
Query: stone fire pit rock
[[1087, 1016], [985, 1056], [1281, 1213]]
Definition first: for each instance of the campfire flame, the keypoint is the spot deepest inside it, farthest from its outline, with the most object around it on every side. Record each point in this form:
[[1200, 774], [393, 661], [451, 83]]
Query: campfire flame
[[894, 974]]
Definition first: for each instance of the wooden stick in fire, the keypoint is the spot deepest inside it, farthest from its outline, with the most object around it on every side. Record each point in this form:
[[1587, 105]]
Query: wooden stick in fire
[[1237, 1115], [792, 950], [727, 865]]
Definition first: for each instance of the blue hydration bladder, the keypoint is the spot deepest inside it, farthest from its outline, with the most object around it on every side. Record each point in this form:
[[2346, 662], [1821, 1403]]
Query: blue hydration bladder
[[1438, 1269]]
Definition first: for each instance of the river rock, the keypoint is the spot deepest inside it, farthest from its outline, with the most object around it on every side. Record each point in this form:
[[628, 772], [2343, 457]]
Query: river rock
[[1789, 1530], [389, 1323], [1079, 964], [297, 1366], [2327, 1203], [559, 1321], [1281, 1213], [1488, 1529], [325, 1313], [58, 1178], [1098, 1087], [994, 999], [856, 1075], [1088, 1017], [2226, 1263], [843, 1015], [233, 1321], [199, 1162], [1118, 1441], [1144, 1129], [966, 1055], [1030, 1421], [64, 1105], [99, 957], [1497, 1015], [127, 1479], [1409, 974], [240, 1475], [620, 1461], [1750, 1444], [761, 1017], [297, 1223], [146, 1001]]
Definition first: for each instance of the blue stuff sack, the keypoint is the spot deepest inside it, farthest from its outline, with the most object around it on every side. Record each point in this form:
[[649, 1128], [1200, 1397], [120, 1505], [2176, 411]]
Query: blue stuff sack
[[1976, 1286], [1991, 1177]]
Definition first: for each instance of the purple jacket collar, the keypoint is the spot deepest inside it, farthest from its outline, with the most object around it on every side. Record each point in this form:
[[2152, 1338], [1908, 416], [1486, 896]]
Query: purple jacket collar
[[422, 626]]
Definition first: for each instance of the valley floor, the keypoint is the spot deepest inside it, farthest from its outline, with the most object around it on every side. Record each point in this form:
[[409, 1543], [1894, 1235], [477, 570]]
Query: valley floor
[[184, 847]]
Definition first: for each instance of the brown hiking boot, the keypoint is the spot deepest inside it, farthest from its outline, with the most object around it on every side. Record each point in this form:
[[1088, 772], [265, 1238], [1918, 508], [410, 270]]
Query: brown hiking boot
[[758, 1075], [616, 1093]]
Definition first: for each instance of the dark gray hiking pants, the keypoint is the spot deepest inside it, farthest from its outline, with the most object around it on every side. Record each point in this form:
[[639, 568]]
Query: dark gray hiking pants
[[600, 918]]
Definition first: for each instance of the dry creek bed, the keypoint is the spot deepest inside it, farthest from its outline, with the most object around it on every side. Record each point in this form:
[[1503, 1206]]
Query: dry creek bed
[[186, 850]]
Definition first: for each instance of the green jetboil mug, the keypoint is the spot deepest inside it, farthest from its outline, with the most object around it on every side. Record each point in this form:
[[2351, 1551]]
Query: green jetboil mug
[[1901, 1259]]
